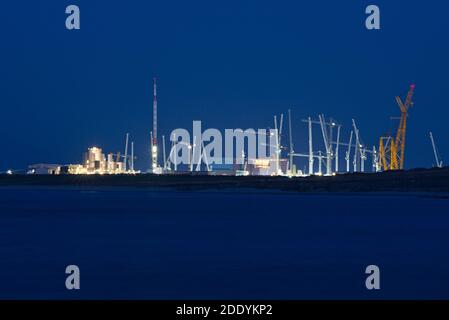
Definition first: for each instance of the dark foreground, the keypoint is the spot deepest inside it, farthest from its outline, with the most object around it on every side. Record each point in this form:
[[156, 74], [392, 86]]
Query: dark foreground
[[147, 244], [418, 180]]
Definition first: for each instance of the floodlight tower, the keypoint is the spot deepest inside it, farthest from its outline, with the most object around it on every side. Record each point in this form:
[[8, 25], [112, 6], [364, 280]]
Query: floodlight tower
[[154, 148]]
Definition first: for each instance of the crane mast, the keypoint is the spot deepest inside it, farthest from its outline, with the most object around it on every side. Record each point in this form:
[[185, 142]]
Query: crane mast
[[126, 153], [309, 120], [439, 163], [348, 152], [291, 166], [401, 134], [392, 149]]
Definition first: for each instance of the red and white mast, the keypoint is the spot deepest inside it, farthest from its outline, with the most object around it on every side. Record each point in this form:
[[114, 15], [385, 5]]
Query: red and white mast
[[154, 111], [154, 149]]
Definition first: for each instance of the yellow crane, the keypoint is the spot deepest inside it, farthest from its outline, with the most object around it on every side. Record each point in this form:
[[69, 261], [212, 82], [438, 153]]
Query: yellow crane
[[392, 149]]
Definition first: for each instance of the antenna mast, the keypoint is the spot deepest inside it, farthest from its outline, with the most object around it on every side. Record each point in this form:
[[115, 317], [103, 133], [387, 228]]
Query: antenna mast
[[154, 149]]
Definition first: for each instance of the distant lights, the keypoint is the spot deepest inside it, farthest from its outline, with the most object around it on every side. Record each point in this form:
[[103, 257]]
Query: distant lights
[[9, 172]]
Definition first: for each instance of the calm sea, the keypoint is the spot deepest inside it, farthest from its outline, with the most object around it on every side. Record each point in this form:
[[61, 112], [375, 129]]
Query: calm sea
[[149, 244]]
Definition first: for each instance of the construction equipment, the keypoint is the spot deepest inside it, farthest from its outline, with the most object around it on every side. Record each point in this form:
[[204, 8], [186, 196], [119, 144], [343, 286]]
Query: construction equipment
[[358, 153], [327, 131], [348, 152], [327, 145], [278, 145], [387, 153], [438, 161], [172, 157], [320, 163], [125, 161], [203, 157], [376, 162], [163, 153], [392, 150], [131, 163], [291, 169], [309, 121], [192, 154], [337, 148]]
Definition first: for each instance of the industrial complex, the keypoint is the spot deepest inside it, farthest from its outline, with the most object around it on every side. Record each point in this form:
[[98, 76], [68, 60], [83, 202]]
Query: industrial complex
[[336, 156]]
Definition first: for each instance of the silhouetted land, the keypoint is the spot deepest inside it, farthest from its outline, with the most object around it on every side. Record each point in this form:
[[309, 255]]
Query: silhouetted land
[[417, 180]]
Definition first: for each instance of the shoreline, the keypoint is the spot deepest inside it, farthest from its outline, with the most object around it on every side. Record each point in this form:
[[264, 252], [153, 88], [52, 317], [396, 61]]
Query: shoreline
[[433, 181]]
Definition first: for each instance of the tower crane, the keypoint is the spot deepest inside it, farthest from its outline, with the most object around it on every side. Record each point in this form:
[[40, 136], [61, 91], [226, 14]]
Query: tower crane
[[400, 136], [392, 149]]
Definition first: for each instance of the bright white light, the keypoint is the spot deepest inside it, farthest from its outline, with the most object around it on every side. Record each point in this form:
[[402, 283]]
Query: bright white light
[[9, 172], [154, 149]]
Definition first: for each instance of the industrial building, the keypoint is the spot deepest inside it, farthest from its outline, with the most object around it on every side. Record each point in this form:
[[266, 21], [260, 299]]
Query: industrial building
[[44, 168], [94, 162]]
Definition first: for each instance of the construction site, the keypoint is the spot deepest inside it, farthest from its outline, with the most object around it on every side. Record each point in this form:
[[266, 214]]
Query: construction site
[[328, 153]]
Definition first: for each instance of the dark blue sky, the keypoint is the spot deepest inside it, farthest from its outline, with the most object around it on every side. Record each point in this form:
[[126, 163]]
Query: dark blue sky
[[228, 63]]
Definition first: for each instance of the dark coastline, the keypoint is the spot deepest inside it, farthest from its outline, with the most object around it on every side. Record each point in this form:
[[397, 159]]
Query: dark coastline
[[417, 180]]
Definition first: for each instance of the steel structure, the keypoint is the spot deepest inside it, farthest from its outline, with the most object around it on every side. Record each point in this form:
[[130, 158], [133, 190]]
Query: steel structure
[[438, 161], [392, 149], [154, 144], [291, 166], [125, 159]]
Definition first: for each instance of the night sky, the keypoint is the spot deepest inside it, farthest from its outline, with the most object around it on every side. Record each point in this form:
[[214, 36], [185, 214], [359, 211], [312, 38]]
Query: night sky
[[231, 64]]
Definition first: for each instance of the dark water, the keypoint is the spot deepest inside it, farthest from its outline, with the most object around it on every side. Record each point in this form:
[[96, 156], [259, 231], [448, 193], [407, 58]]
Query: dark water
[[176, 245]]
